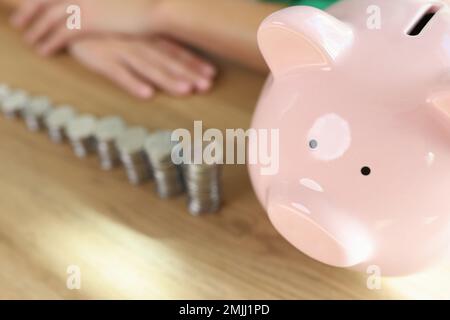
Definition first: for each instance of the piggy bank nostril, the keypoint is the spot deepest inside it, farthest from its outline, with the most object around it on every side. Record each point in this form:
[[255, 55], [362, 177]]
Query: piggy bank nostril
[[366, 171]]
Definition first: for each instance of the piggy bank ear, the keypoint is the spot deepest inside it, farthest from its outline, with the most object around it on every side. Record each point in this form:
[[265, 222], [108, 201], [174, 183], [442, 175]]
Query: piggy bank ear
[[300, 37]]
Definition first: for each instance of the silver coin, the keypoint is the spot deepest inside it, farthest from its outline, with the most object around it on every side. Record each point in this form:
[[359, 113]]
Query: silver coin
[[107, 131], [80, 132], [13, 105], [130, 145], [203, 181], [158, 147], [109, 128], [132, 140], [168, 178], [57, 120], [34, 112]]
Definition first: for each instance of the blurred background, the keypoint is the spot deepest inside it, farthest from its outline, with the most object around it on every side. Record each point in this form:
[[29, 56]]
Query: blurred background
[[62, 217]]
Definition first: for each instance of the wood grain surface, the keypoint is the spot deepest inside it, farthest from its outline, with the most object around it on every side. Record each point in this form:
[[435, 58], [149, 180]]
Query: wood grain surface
[[57, 210]]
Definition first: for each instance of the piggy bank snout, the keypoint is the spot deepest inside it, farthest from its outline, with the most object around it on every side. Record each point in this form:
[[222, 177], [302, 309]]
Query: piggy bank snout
[[338, 244]]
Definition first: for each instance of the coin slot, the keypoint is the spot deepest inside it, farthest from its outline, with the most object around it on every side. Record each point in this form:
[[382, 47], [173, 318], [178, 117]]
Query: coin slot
[[418, 27]]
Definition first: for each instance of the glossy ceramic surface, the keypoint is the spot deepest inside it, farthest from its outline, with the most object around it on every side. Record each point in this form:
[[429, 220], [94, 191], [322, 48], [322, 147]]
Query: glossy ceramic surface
[[364, 129]]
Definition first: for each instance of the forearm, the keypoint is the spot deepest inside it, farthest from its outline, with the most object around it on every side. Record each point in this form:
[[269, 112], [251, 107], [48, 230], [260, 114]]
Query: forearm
[[224, 27]]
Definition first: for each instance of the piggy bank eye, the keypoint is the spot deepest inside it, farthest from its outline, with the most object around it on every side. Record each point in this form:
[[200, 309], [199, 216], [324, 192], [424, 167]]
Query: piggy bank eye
[[329, 138]]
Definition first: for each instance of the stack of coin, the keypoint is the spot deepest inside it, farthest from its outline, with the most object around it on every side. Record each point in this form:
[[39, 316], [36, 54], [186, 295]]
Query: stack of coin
[[56, 122], [106, 133], [168, 178], [35, 111], [80, 132], [14, 104], [203, 181], [131, 148]]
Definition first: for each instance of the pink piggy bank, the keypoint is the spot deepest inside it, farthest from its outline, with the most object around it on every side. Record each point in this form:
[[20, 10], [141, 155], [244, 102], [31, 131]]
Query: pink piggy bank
[[358, 95]]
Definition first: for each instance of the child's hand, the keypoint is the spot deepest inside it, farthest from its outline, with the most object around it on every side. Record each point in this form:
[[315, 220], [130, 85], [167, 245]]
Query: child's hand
[[140, 66], [45, 20]]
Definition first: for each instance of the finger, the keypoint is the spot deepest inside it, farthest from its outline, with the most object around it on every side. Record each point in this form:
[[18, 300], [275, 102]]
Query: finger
[[153, 72], [177, 67], [26, 12], [56, 41], [196, 62], [125, 79], [52, 18]]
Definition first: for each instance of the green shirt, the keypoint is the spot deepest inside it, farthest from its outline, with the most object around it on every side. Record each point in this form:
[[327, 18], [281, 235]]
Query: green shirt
[[321, 4]]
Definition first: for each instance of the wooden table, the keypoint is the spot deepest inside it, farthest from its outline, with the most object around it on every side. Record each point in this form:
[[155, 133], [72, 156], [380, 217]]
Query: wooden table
[[57, 211]]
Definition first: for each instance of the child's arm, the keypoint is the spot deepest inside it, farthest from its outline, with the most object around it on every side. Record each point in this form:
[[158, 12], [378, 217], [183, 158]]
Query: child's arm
[[138, 65], [224, 27]]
